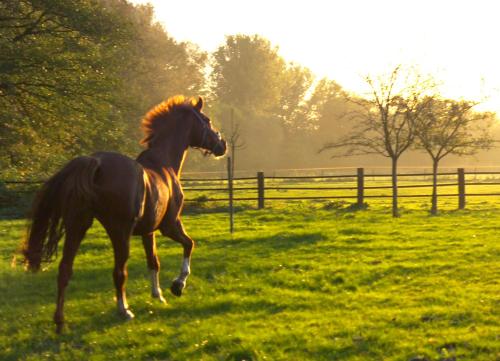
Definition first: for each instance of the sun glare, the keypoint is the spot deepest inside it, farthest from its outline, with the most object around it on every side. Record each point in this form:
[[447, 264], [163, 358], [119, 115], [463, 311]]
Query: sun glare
[[452, 40]]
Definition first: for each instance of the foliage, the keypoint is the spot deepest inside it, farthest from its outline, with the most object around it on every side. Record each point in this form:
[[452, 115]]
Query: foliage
[[246, 73], [53, 68], [268, 96], [295, 83], [326, 103], [75, 77]]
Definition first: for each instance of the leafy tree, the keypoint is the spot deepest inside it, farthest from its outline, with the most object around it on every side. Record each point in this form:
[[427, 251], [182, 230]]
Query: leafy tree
[[448, 126], [76, 76], [52, 71], [295, 82], [247, 73], [154, 67], [326, 108], [267, 95]]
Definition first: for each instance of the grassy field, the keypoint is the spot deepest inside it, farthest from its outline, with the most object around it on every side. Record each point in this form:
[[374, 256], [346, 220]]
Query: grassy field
[[297, 281]]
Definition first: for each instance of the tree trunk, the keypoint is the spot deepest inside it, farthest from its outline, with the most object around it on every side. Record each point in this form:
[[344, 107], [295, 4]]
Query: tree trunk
[[434, 186], [395, 212], [233, 150]]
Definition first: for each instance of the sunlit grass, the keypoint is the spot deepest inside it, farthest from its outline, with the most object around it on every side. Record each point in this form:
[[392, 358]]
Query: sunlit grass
[[298, 280]]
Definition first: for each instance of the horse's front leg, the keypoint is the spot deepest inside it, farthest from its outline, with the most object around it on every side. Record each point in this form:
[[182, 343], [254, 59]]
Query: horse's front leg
[[177, 233]]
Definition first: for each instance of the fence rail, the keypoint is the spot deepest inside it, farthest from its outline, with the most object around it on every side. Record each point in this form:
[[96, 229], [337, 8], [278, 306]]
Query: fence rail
[[227, 188], [264, 185]]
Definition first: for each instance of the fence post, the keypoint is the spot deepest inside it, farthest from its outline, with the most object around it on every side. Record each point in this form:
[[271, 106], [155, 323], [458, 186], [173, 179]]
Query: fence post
[[461, 188], [260, 186], [230, 191], [361, 186]]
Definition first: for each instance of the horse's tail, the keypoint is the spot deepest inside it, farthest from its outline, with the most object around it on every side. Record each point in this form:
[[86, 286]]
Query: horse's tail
[[67, 191]]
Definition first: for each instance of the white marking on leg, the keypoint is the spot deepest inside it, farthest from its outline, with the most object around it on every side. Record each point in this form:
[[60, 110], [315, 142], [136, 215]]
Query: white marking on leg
[[155, 283], [122, 304], [155, 286], [185, 270]]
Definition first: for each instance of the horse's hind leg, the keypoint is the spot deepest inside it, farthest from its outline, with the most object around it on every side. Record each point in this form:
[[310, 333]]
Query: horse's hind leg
[[149, 243], [75, 231], [120, 237]]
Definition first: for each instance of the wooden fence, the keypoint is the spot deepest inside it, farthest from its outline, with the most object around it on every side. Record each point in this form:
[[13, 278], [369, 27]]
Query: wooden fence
[[256, 189], [229, 187]]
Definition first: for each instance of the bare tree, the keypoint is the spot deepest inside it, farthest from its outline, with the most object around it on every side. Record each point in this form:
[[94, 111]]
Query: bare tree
[[451, 127], [234, 139], [385, 123]]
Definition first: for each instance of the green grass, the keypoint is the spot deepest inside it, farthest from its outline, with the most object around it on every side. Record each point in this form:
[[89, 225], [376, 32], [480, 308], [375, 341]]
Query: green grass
[[297, 281]]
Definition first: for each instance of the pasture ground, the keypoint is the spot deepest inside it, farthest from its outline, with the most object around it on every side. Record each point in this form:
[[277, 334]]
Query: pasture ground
[[297, 281]]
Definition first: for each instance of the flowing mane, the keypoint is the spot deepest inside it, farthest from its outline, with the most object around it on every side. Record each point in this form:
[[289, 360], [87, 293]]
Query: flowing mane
[[156, 119]]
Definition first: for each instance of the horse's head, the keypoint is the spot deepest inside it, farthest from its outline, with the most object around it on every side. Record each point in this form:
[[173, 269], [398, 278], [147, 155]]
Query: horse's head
[[203, 134]]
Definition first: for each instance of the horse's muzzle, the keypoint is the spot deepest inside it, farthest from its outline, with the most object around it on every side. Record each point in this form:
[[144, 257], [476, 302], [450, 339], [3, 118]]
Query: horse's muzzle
[[220, 148]]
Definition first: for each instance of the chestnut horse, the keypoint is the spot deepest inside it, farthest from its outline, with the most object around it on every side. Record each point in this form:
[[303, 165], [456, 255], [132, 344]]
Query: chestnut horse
[[128, 197]]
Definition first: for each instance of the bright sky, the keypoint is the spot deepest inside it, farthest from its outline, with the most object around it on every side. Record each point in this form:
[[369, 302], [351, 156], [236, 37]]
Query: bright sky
[[456, 41]]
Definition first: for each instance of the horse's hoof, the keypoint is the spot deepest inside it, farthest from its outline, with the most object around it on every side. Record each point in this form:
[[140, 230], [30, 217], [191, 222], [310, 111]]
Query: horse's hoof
[[127, 314], [160, 298], [177, 287]]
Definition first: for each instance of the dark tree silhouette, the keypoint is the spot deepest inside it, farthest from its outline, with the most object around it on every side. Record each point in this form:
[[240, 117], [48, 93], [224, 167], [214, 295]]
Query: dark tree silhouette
[[385, 123], [233, 137], [448, 126]]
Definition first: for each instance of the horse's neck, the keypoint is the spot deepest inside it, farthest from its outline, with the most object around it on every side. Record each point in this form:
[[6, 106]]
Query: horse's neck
[[163, 157]]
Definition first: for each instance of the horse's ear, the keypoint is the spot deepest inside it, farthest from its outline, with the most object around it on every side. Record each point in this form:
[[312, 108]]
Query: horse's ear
[[199, 104]]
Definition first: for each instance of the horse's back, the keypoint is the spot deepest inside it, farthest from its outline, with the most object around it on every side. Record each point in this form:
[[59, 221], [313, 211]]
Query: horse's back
[[119, 187]]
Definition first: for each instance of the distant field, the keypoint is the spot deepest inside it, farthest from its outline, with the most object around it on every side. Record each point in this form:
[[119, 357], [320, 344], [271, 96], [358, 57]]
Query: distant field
[[297, 281]]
